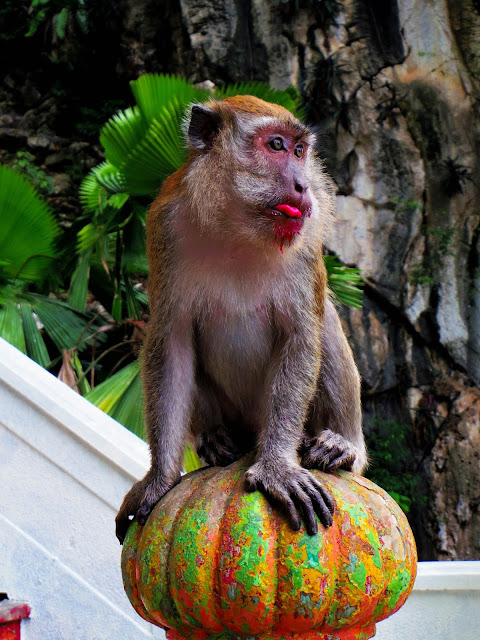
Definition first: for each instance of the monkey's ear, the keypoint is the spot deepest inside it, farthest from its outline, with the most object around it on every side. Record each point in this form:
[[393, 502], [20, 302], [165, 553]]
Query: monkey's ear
[[204, 127]]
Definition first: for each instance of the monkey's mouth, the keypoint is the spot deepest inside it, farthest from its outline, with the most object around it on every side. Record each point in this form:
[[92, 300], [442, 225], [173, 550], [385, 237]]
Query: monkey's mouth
[[284, 212], [287, 223], [287, 212]]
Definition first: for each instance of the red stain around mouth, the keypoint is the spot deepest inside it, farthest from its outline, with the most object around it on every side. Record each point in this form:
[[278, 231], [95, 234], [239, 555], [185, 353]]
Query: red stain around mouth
[[286, 232]]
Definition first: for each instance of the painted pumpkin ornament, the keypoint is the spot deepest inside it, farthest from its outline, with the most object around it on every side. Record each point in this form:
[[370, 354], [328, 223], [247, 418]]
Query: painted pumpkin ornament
[[214, 562]]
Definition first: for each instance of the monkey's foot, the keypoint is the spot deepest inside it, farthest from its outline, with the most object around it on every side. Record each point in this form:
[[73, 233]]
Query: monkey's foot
[[327, 452], [217, 448], [295, 491], [139, 502]]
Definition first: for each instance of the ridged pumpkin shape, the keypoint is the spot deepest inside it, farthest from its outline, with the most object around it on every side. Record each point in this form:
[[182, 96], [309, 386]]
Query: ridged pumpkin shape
[[215, 562]]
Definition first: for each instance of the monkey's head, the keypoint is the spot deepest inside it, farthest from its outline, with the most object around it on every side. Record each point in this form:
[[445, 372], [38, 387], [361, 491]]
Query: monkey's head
[[252, 171]]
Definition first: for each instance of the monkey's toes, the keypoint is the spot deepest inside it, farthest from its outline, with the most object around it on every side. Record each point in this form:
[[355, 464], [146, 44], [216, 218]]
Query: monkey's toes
[[121, 527], [329, 452], [142, 514]]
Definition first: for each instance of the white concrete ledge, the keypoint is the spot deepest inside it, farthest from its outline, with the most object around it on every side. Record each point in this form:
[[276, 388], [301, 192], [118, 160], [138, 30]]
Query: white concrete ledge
[[448, 576], [64, 469]]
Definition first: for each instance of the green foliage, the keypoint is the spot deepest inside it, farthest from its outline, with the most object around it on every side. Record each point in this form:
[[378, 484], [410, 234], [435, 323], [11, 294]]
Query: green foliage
[[28, 229], [28, 236], [121, 396], [344, 282], [440, 245], [391, 463], [24, 164], [63, 15]]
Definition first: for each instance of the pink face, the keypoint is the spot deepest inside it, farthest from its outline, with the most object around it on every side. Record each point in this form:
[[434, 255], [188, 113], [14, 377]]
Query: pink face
[[286, 152]]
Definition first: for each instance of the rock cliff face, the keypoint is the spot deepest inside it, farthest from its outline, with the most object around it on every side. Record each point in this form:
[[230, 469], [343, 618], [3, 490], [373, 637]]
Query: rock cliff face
[[393, 86]]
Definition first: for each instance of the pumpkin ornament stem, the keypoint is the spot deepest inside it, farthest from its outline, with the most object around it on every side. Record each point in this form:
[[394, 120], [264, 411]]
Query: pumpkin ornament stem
[[214, 562]]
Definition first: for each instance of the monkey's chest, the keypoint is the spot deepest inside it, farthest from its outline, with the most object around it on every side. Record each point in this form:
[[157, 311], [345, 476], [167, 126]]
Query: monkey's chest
[[235, 351]]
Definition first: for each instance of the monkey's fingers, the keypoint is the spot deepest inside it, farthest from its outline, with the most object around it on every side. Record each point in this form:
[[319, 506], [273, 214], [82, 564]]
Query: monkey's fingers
[[286, 505], [322, 502], [305, 504], [278, 497]]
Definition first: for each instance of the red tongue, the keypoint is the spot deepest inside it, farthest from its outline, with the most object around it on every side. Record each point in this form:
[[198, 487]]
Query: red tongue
[[291, 212]]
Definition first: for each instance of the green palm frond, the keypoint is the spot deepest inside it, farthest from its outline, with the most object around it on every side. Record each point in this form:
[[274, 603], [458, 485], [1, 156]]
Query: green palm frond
[[109, 177], [11, 326], [18, 325], [91, 193], [121, 396], [134, 257], [77, 294], [121, 133], [34, 343], [191, 461], [344, 282], [152, 92], [28, 229], [160, 153], [66, 327], [104, 184]]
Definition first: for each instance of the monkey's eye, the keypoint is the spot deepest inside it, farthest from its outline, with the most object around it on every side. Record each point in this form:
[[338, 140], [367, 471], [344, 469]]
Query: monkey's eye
[[277, 144], [299, 149]]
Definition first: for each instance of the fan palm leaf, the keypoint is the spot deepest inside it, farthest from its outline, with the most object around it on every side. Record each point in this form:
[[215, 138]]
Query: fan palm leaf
[[154, 91], [121, 133], [28, 229]]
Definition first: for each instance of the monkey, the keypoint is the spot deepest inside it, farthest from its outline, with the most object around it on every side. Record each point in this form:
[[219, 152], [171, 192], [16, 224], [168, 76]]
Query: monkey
[[244, 348]]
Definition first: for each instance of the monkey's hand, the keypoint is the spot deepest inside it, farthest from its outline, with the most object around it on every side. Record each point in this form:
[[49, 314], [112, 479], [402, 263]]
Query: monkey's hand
[[139, 502], [294, 490], [328, 452]]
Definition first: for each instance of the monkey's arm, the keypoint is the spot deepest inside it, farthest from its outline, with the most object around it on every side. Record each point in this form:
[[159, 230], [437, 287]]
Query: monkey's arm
[[277, 472], [334, 436], [168, 371]]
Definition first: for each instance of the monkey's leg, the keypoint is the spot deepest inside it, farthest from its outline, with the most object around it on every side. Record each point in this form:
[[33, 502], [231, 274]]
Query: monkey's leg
[[168, 369], [214, 443], [334, 437], [220, 440], [277, 474]]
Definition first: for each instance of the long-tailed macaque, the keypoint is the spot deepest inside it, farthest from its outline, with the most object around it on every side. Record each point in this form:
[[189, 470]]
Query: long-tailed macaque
[[244, 349]]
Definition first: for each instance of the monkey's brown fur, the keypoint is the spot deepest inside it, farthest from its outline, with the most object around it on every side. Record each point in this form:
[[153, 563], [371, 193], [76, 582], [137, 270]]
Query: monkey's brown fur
[[244, 350]]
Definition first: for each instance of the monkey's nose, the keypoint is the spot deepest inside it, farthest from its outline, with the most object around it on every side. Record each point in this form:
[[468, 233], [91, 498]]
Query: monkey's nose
[[300, 187]]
